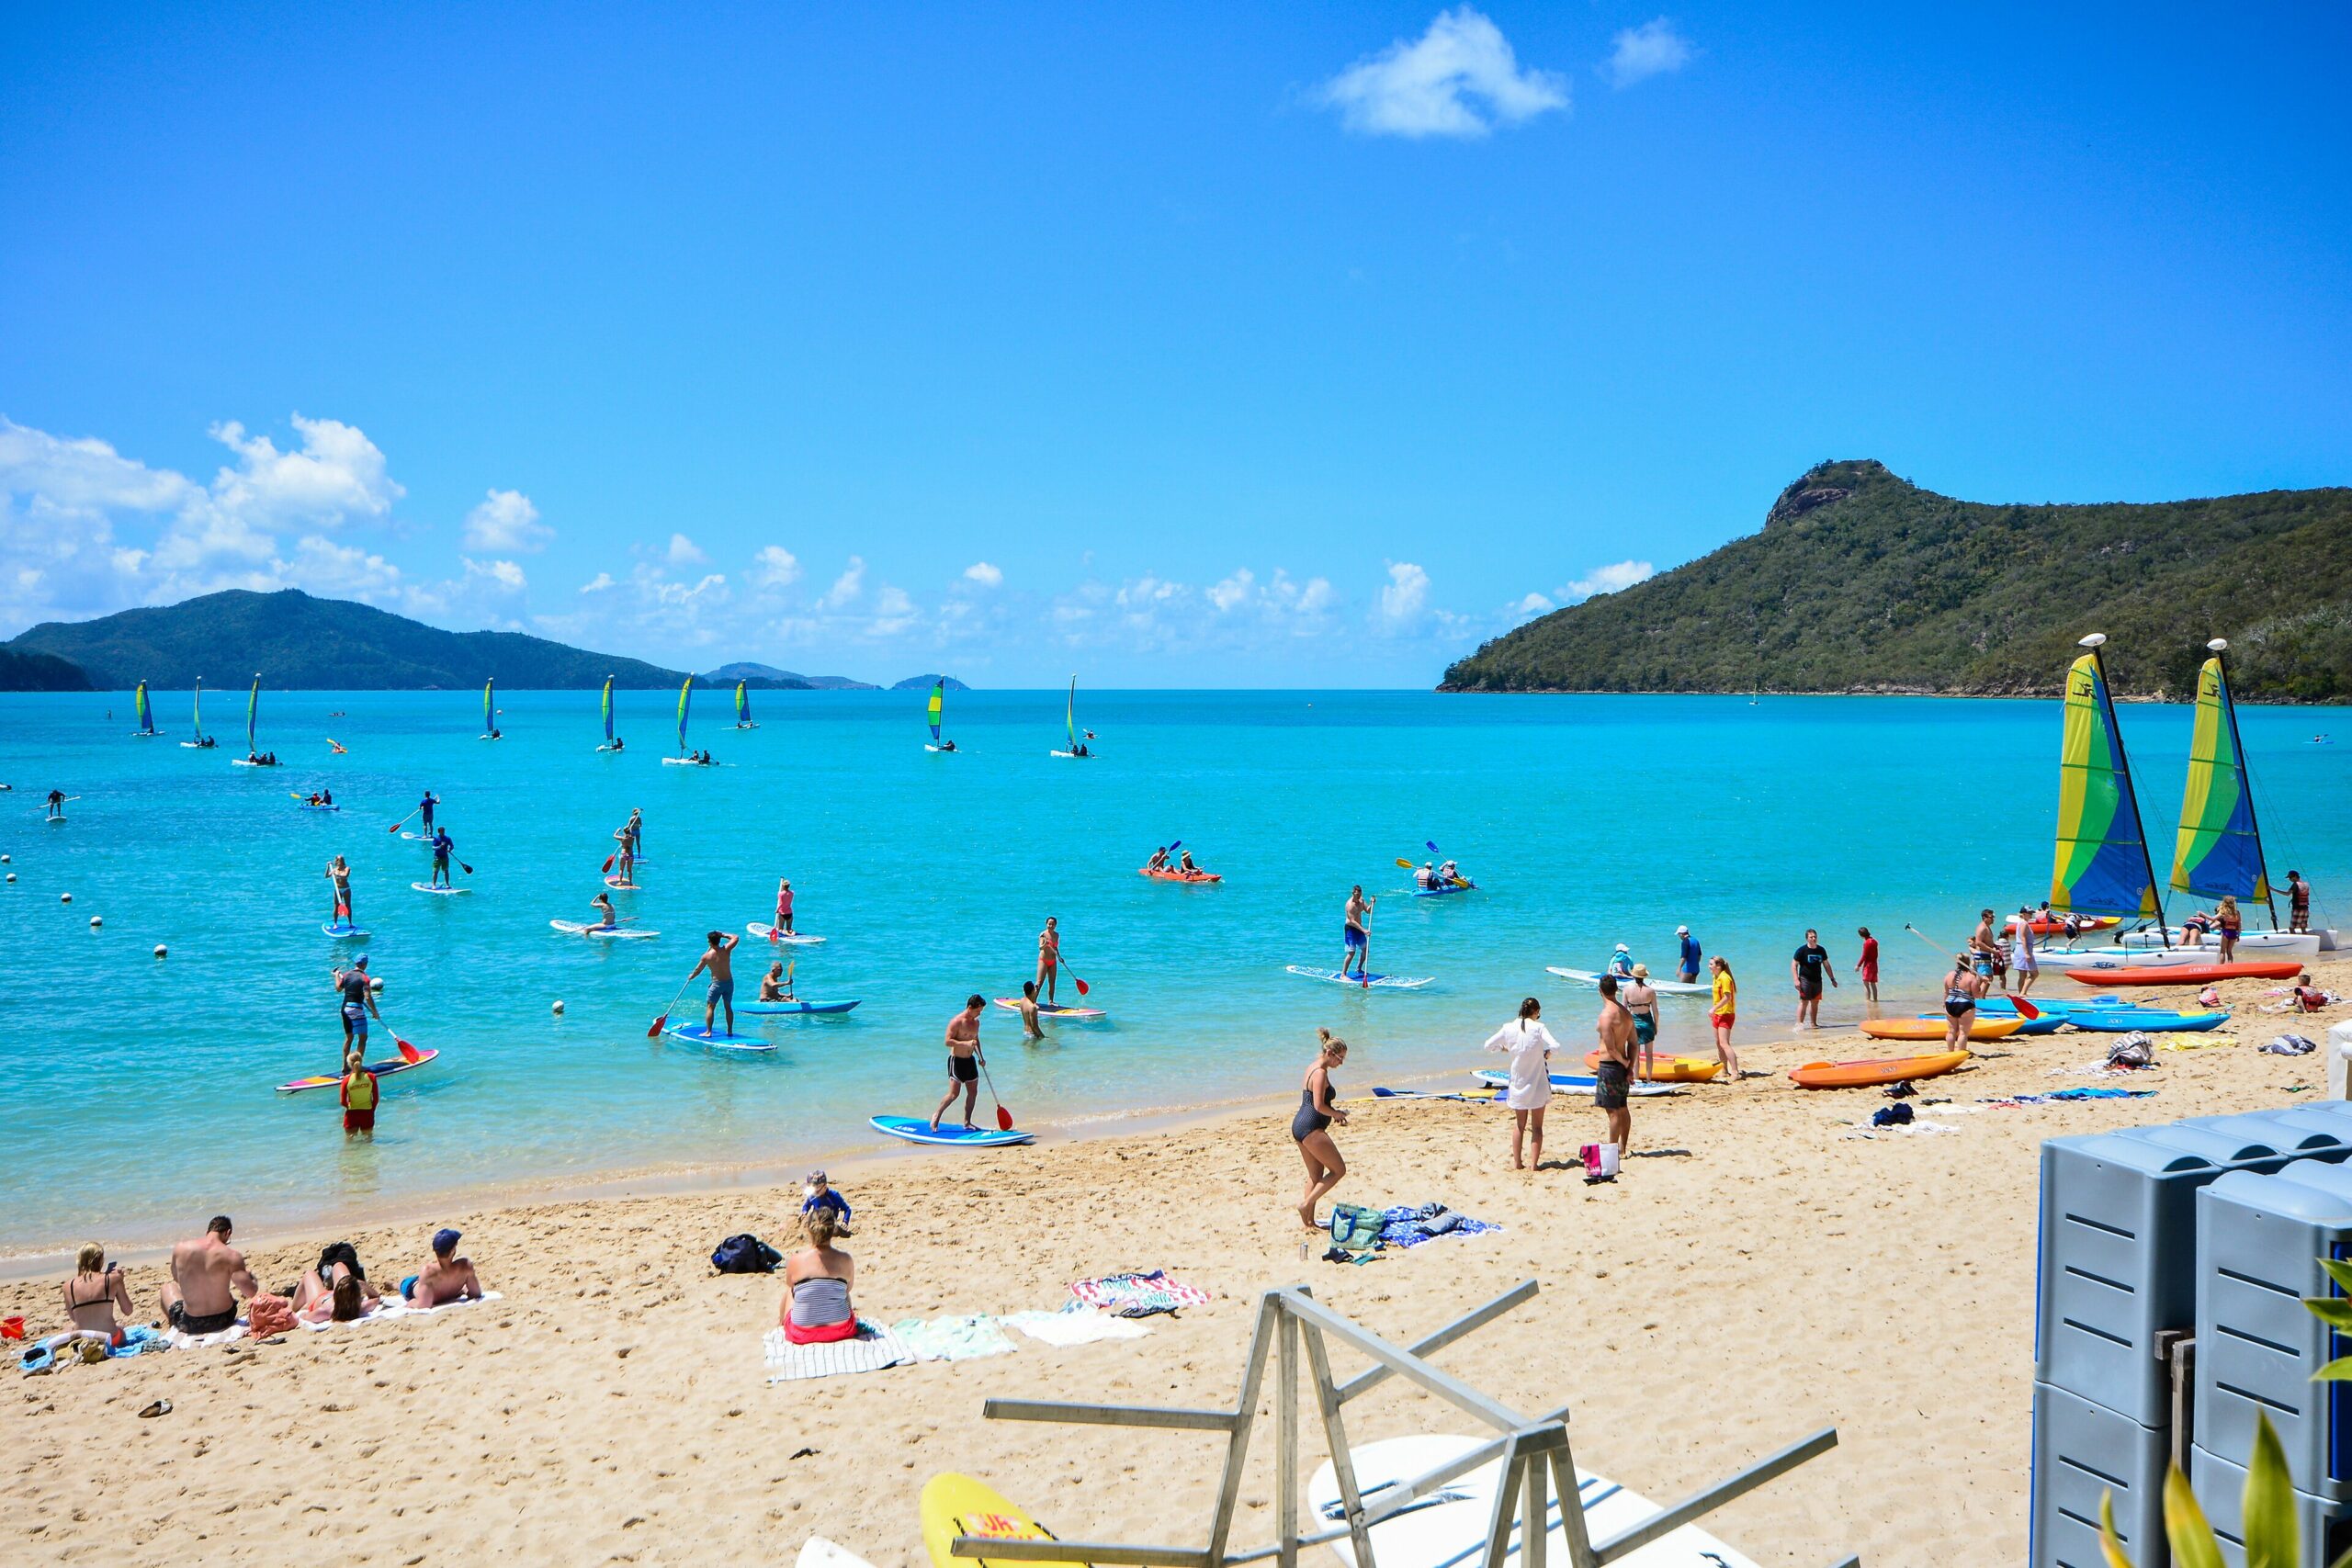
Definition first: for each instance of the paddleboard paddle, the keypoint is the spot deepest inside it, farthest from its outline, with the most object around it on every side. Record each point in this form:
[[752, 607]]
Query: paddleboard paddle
[[662, 1022], [1003, 1117], [401, 824], [2025, 1009]]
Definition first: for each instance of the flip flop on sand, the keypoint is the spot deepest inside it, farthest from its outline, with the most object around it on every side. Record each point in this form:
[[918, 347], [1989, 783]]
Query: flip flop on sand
[[160, 1407]]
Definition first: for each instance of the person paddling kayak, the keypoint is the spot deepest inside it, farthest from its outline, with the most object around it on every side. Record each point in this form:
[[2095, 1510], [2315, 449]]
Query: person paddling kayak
[[773, 985]]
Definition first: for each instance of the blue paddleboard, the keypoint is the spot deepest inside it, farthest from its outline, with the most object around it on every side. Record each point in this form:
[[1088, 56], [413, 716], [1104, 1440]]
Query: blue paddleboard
[[344, 932], [919, 1129], [702, 1039], [791, 1009]]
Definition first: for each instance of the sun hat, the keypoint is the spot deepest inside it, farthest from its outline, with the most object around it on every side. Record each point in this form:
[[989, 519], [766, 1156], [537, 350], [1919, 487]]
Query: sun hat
[[1641, 971], [1623, 948]]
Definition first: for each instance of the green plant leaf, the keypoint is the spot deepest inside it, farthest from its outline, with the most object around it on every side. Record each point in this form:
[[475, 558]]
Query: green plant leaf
[[2336, 1314], [2273, 1539], [2340, 1272], [2193, 1545], [2112, 1549], [2337, 1371]]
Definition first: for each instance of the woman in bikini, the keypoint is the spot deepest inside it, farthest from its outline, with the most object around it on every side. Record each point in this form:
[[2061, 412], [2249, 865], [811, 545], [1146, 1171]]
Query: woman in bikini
[[97, 1293], [1310, 1128], [1962, 987]]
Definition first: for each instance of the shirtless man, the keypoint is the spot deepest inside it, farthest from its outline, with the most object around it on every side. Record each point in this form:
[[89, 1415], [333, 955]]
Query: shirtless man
[[209, 1276], [720, 961], [358, 1003], [964, 1060], [772, 986], [1982, 945], [1356, 931], [1027, 1008], [1610, 1075], [448, 1277]]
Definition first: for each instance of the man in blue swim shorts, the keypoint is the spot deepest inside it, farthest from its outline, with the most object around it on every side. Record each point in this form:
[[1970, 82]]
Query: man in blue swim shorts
[[720, 961], [1357, 932]]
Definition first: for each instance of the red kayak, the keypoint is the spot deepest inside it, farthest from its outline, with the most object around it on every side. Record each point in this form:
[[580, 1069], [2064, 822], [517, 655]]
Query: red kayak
[[2185, 974]]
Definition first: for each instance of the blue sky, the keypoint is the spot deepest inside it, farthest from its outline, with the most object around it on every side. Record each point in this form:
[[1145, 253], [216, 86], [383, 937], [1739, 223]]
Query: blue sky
[[1169, 346]]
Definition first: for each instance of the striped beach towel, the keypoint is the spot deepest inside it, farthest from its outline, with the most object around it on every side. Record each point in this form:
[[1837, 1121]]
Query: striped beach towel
[[1138, 1295], [874, 1348]]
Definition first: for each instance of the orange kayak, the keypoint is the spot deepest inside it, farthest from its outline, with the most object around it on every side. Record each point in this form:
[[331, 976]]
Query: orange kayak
[[1670, 1070], [1181, 876], [1933, 1028], [1884, 1070], [2185, 974]]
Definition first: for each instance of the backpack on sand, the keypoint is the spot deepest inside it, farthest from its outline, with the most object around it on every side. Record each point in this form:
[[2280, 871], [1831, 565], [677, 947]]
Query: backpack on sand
[[745, 1254]]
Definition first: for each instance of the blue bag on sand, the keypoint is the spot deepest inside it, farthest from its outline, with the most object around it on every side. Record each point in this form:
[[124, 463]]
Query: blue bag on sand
[[745, 1254]]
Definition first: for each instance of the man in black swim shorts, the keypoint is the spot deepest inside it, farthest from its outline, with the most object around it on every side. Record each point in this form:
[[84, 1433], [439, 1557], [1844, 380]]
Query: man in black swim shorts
[[964, 1062], [209, 1276]]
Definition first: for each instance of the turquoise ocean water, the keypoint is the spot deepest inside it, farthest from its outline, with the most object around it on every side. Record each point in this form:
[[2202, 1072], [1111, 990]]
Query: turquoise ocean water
[[136, 1096]]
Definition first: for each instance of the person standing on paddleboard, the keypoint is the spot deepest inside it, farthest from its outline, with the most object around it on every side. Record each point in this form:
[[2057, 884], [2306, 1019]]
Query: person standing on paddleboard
[[1867, 968], [1612, 1075], [339, 874], [964, 1062], [1687, 970], [1050, 959], [56, 805], [424, 813], [1808, 966], [720, 959], [442, 846], [358, 1002], [1310, 1125], [1357, 932]]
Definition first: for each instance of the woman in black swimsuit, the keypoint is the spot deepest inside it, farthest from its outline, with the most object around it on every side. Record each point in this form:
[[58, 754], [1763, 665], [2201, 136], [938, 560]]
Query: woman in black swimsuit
[[96, 1294], [1310, 1128], [1962, 987]]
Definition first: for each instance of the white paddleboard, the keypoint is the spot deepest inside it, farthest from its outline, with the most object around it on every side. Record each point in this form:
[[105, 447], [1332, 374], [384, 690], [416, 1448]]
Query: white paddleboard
[[767, 932], [444, 892], [1447, 1528], [1663, 987], [1572, 1083], [609, 934], [1362, 982], [819, 1552]]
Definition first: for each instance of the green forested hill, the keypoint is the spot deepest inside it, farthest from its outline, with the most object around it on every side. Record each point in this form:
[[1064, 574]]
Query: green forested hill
[[40, 672], [1862, 582], [299, 643]]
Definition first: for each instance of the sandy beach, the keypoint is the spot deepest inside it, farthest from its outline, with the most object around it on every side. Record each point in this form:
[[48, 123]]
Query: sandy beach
[[1761, 1270]]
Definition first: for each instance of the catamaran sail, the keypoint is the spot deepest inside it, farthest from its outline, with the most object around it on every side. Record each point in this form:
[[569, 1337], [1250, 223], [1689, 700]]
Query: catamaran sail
[[2102, 865], [685, 700], [488, 713], [938, 690], [2220, 848], [253, 713], [608, 713], [742, 709], [199, 710], [146, 714]]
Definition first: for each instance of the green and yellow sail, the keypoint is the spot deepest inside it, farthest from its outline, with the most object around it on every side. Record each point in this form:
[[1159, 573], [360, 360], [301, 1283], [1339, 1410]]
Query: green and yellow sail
[[742, 706], [488, 713], [146, 714], [253, 713], [685, 700], [2220, 848], [2103, 864], [932, 716], [608, 710]]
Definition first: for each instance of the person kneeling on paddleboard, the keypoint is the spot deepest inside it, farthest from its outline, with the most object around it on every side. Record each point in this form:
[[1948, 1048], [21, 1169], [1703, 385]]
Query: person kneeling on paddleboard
[[965, 1061], [817, 1280]]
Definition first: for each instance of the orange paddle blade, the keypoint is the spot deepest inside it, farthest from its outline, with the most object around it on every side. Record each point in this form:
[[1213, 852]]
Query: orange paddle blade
[[408, 1052], [1003, 1118], [655, 1032], [2025, 1009], [1082, 986]]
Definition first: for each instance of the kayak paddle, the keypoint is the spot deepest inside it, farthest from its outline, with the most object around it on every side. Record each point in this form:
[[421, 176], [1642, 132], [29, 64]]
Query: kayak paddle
[[663, 1021], [1003, 1117]]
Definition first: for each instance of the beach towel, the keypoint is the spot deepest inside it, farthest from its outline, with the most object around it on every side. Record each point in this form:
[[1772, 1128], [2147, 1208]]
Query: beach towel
[[1408, 1226], [1075, 1324], [874, 1348], [392, 1308], [2072, 1094], [953, 1338], [1138, 1295], [2289, 1045], [179, 1340], [63, 1350]]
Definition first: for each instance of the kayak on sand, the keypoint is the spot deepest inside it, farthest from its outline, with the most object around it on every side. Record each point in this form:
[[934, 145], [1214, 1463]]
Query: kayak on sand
[[2184, 974], [1882, 1070]]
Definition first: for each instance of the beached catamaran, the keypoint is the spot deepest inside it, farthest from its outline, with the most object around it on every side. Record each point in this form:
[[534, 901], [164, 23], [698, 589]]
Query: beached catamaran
[[146, 730], [2102, 866], [611, 744], [743, 708], [1069, 721], [931, 715], [488, 713], [2219, 851]]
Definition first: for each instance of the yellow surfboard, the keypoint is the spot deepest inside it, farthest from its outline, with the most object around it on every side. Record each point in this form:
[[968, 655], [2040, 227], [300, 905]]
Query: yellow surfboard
[[956, 1505]]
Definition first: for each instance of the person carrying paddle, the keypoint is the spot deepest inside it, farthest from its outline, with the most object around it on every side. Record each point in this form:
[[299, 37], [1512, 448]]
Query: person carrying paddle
[[1049, 958], [720, 959], [339, 873], [357, 1004], [964, 1062], [1159, 860], [1357, 933], [442, 845], [1963, 987], [56, 803]]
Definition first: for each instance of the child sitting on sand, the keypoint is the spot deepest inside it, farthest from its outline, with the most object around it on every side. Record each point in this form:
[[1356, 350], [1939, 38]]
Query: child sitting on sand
[[819, 1194]]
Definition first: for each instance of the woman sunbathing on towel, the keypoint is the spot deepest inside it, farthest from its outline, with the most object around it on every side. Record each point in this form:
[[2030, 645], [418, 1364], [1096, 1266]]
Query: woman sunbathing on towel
[[320, 1283], [815, 1309], [352, 1298]]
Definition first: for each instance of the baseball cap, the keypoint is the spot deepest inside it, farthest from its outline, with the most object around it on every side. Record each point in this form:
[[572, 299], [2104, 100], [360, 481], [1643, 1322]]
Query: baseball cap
[[1682, 930], [361, 961], [814, 1177], [1623, 948], [445, 1239]]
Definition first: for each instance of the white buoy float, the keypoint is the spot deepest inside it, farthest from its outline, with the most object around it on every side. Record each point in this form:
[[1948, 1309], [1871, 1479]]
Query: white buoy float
[[558, 1007], [65, 897], [96, 922], [11, 876], [161, 950]]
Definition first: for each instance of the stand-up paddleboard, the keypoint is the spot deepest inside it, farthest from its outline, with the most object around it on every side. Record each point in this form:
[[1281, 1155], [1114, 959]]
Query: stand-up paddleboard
[[718, 1043], [444, 892], [1871, 1073], [791, 1008], [919, 1129], [344, 931], [1571, 1083], [610, 933], [1055, 1009], [1670, 1070], [383, 1069], [1447, 1527], [417, 837], [1933, 1028], [955, 1504], [1663, 987], [1365, 982], [2007, 1007], [767, 932], [617, 885]]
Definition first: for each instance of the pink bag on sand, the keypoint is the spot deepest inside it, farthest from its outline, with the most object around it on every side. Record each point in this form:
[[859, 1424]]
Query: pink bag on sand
[[267, 1315]]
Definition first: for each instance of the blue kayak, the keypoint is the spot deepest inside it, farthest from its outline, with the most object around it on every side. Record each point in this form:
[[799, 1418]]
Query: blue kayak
[[2122, 1021], [919, 1129], [1441, 892], [2006, 1006]]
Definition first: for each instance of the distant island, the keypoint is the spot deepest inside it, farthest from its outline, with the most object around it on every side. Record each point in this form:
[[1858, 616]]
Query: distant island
[[767, 677], [1862, 582], [299, 643], [924, 683]]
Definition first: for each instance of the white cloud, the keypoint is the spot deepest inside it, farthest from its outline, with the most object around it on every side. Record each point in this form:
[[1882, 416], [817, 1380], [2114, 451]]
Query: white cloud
[[506, 520], [85, 477], [984, 574], [1233, 592], [776, 567], [1654, 48], [1607, 580], [893, 613], [846, 587], [1534, 604], [1407, 594], [505, 576], [684, 551], [598, 583], [341, 572], [1426, 87], [338, 475]]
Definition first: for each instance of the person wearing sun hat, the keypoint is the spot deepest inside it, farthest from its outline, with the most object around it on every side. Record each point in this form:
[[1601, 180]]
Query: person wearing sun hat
[[1620, 962], [448, 1277], [818, 1193]]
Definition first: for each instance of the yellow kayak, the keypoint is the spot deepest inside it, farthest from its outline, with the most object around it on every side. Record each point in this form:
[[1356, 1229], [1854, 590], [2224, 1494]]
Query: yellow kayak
[[1934, 1027]]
